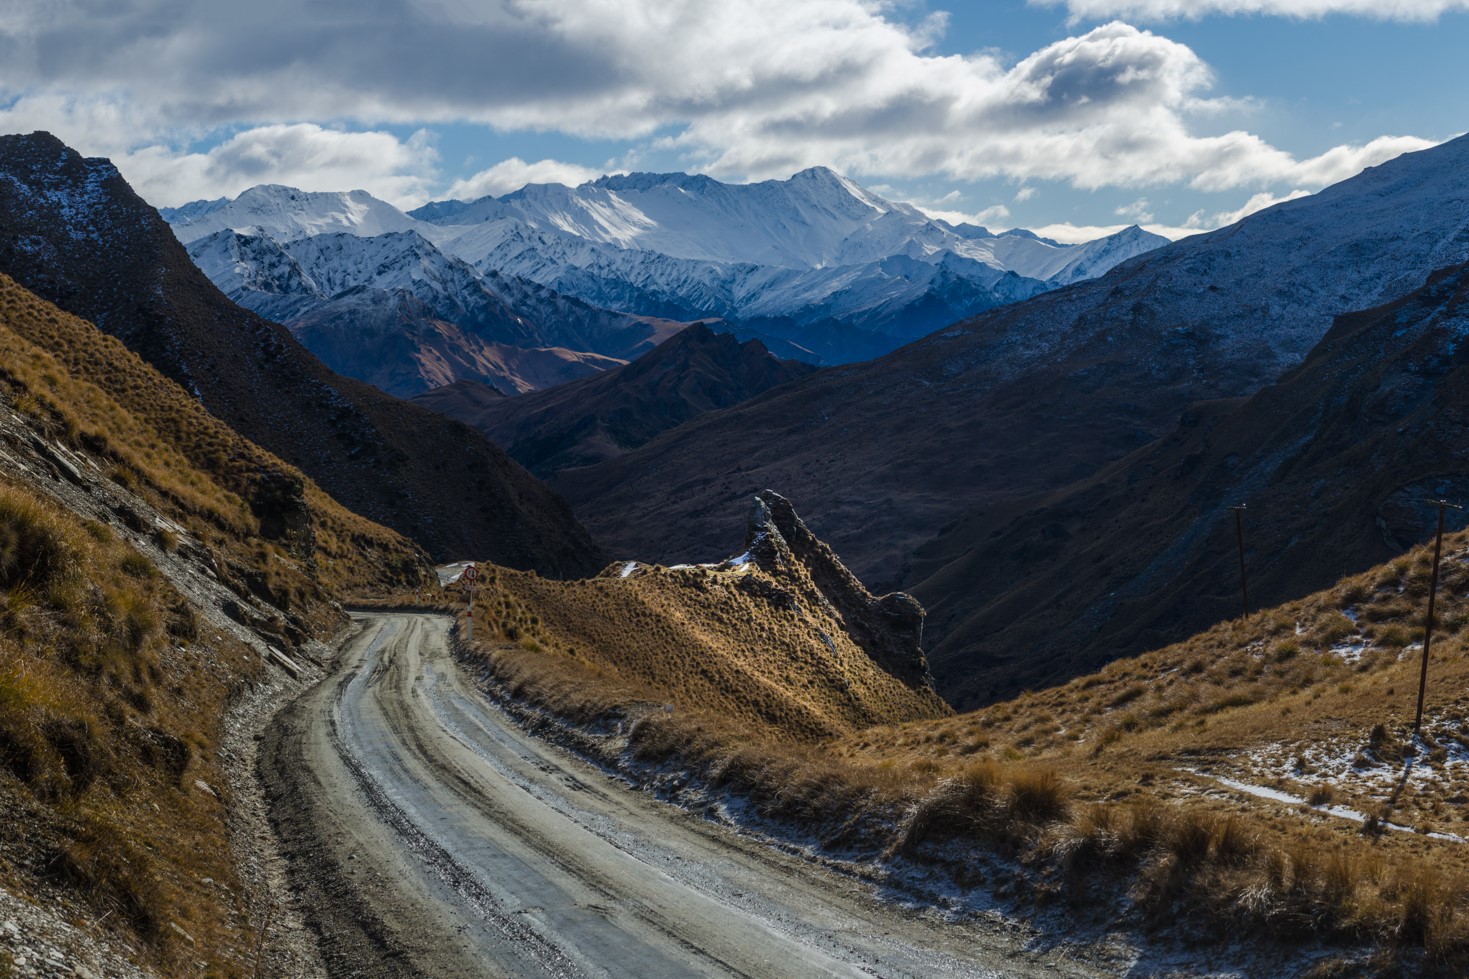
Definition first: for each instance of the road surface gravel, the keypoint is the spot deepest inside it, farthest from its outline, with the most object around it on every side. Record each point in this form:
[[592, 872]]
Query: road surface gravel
[[428, 835]]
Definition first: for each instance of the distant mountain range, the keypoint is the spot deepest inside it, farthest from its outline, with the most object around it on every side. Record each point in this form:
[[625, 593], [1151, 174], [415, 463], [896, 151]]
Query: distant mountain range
[[816, 266], [395, 311]]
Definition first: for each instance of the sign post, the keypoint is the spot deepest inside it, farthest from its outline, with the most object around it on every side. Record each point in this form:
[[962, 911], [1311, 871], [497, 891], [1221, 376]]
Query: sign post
[[471, 573], [1428, 622], [1239, 537]]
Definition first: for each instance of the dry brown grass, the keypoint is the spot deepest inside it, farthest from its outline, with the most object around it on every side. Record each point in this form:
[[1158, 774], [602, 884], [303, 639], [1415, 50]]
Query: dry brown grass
[[1103, 785], [108, 716], [95, 395], [741, 645], [110, 699]]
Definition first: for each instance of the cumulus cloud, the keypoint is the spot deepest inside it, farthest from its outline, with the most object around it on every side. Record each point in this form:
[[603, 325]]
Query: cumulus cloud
[[302, 155], [744, 89], [1202, 222], [514, 173], [1137, 212], [989, 217], [1156, 10]]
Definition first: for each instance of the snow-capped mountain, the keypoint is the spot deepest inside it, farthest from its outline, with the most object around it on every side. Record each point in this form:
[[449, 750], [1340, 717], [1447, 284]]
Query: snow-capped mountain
[[328, 288], [815, 260], [816, 219], [285, 214], [798, 257]]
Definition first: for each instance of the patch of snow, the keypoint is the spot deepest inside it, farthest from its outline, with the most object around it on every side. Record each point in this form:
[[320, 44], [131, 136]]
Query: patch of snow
[[1341, 812], [1351, 650]]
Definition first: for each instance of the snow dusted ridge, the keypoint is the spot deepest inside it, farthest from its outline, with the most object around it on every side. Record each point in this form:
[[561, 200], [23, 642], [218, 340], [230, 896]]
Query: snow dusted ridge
[[779, 256], [286, 214]]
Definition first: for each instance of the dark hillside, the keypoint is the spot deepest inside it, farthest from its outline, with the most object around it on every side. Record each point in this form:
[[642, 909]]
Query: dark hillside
[[1335, 463], [602, 416], [72, 231]]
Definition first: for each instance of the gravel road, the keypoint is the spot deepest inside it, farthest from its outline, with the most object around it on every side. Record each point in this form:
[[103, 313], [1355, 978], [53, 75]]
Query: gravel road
[[429, 836]]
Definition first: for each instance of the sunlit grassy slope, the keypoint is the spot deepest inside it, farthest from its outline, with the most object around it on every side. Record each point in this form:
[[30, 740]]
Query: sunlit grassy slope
[[110, 707], [103, 399], [1260, 778], [779, 639], [113, 686]]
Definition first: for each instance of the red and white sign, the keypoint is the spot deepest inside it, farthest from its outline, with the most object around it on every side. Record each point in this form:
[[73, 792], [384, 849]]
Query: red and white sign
[[471, 573]]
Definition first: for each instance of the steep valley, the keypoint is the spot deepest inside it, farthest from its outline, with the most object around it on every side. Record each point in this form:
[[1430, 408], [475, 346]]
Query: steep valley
[[988, 706], [899, 460]]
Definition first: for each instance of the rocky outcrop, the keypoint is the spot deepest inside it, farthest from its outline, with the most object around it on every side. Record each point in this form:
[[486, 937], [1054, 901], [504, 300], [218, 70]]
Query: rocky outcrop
[[889, 629]]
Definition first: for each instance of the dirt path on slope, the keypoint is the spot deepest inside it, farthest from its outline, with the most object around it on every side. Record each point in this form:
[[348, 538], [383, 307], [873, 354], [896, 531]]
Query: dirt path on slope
[[429, 836]]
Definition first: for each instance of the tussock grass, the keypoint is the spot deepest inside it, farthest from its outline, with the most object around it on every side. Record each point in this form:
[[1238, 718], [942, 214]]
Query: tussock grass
[[107, 719], [91, 393], [1101, 786], [741, 645], [110, 697]]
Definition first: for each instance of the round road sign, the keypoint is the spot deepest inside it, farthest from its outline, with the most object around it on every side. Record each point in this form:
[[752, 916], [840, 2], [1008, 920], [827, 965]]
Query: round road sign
[[471, 573]]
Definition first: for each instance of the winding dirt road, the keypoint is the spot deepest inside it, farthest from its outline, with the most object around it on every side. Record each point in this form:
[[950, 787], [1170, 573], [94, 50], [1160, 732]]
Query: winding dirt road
[[429, 836]]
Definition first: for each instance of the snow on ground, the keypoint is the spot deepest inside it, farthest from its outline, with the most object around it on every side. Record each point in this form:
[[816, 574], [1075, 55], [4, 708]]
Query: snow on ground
[[1340, 812], [450, 573], [1356, 779]]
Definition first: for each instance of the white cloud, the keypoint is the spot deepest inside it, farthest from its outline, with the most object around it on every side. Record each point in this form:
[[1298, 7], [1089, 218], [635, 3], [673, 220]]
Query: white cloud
[[1024, 194], [744, 89], [1157, 10], [1137, 212], [514, 173], [1259, 202], [1197, 222], [995, 215], [302, 155]]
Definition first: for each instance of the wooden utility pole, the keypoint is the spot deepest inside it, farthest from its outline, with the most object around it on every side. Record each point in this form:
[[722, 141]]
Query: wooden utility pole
[[1432, 592], [1239, 537]]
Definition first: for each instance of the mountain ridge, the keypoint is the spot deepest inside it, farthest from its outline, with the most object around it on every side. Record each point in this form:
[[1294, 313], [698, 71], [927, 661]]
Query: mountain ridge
[[601, 416], [806, 260], [82, 239]]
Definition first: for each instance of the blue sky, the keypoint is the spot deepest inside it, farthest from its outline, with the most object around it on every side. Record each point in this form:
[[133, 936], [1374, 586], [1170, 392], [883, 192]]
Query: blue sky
[[1072, 117]]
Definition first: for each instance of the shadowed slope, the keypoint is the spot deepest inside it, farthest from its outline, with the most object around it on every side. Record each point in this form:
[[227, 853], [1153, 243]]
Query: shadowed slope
[[1335, 463], [607, 414], [79, 236]]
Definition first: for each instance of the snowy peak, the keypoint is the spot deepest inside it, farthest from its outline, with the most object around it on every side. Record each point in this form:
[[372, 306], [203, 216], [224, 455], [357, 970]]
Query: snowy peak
[[285, 214], [793, 254], [1096, 257]]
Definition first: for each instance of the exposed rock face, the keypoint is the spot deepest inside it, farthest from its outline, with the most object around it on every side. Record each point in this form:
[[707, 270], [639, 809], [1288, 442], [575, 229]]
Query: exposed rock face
[[890, 628], [278, 500]]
